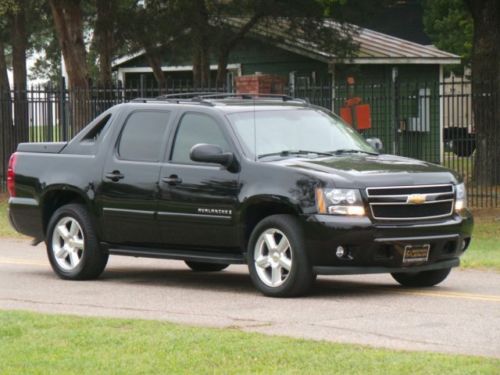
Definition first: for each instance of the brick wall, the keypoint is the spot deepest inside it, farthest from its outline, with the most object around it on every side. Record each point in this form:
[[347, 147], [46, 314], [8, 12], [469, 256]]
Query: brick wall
[[260, 84]]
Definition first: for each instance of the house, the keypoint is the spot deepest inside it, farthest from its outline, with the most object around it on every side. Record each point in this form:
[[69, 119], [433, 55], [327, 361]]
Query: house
[[399, 80]]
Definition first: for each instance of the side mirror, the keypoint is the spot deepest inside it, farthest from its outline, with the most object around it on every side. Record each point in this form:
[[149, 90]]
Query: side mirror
[[205, 153], [376, 143]]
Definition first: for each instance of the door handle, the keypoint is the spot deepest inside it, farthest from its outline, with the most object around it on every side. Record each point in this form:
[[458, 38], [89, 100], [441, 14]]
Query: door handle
[[172, 180], [114, 176]]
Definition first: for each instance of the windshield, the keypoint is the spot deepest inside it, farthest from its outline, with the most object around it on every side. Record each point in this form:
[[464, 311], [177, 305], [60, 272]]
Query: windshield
[[295, 131]]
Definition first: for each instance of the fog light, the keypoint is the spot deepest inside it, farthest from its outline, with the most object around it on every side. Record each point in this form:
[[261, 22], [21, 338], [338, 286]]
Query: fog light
[[465, 243], [341, 252]]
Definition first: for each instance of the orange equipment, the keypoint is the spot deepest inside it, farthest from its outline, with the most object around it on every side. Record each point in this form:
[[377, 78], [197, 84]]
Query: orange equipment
[[356, 114]]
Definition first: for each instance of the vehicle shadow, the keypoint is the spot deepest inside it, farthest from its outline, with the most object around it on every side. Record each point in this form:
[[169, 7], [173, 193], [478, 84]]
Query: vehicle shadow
[[234, 281], [231, 281], [181, 278]]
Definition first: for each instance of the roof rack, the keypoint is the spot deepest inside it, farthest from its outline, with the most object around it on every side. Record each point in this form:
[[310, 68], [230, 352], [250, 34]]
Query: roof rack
[[231, 95], [170, 100], [187, 95], [206, 98]]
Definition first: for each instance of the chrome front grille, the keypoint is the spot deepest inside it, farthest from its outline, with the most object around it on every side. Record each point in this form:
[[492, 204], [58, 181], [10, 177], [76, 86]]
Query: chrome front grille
[[411, 202]]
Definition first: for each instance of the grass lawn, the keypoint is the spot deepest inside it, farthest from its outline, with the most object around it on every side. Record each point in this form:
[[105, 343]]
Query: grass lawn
[[483, 253], [43, 344], [5, 228]]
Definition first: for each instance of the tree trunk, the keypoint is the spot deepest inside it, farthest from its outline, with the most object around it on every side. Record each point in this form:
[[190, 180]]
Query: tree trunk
[[201, 44], [7, 146], [4, 77], [105, 43], [227, 47], [154, 61], [19, 45], [223, 59], [68, 23], [486, 89]]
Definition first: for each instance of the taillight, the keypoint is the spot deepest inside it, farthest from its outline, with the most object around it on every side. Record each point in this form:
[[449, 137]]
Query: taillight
[[11, 175]]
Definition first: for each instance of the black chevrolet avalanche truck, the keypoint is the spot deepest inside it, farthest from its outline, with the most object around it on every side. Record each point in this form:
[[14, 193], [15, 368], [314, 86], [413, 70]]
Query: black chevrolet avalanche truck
[[272, 182]]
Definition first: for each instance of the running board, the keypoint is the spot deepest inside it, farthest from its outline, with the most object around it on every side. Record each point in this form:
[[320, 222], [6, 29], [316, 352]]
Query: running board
[[193, 256]]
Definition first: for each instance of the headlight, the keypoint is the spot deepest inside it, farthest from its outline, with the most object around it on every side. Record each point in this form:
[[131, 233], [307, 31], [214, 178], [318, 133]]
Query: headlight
[[461, 197], [339, 202]]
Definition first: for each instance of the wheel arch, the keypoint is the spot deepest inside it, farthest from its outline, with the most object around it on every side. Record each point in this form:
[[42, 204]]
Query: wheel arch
[[57, 196], [257, 209]]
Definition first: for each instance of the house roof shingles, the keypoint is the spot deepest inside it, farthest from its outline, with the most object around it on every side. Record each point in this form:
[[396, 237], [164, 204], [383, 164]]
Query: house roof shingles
[[373, 47]]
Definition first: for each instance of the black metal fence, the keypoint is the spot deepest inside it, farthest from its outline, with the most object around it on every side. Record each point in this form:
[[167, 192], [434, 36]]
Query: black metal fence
[[431, 121]]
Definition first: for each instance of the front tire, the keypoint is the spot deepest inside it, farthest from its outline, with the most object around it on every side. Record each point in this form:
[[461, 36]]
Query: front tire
[[277, 258], [206, 267], [72, 245], [421, 279]]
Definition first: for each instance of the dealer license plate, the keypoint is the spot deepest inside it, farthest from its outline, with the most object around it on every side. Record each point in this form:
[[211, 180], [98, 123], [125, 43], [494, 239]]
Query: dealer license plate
[[416, 253]]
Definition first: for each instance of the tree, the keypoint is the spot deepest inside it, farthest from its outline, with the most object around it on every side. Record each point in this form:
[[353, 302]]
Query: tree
[[211, 33], [149, 27], [485, 64], [200, 34], [6, 138], [105, 25], [19, 40], [4, 78], [229, 42], [471, 29], [449, 24], [68, 22]]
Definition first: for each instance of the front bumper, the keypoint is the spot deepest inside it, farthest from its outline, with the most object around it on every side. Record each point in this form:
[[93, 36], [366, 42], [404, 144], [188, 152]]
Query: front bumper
[[379, 247]]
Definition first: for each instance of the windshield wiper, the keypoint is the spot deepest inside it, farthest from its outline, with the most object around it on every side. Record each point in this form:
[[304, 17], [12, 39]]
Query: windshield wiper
[[285, 153], [351, 151]]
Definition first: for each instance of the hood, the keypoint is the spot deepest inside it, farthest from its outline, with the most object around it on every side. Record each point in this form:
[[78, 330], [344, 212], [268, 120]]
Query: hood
[[359, 170]]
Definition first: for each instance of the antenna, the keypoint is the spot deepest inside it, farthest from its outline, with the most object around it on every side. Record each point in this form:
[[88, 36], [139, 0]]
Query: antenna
[[254, 130]]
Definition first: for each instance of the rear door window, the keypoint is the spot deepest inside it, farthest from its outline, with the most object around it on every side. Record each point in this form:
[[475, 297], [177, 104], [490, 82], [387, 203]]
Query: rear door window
[[143, 136]]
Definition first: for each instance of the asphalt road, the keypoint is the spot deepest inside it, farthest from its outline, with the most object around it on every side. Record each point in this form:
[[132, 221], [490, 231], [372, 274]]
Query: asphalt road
[[462, 315]]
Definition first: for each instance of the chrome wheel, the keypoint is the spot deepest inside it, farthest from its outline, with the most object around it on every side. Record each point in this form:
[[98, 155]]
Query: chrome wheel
[[68, 243], [273, 257]]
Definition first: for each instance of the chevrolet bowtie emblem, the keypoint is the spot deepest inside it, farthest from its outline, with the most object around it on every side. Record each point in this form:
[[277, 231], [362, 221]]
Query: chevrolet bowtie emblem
[[416, 199]]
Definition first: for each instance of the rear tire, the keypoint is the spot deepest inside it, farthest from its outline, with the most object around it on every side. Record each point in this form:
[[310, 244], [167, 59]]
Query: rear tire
[[421, 279], [206, 267], [277, 258], [72, 245]]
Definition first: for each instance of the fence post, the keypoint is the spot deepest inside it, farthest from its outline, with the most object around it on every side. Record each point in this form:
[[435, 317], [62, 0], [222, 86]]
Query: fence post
[[395, 110], [141, 88], [50, 125], [62, 109]]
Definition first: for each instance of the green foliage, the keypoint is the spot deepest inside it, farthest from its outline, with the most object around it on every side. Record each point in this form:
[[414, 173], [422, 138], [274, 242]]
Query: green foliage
[[449, 24], [7, 6], [44, 45], [49, 344]]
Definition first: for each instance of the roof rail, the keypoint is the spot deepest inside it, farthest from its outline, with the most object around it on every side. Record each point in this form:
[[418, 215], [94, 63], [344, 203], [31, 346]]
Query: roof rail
[[250, 96], [170, 100], [206, 98], [187, 95]]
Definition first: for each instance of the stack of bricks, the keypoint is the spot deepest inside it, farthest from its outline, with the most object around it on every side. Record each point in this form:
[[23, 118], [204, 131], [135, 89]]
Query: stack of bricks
[[260, 84]]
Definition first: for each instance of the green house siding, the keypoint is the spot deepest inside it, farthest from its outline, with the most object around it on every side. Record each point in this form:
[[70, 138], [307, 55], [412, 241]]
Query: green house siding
[[256, 56], [253, 56], [405, 113]]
